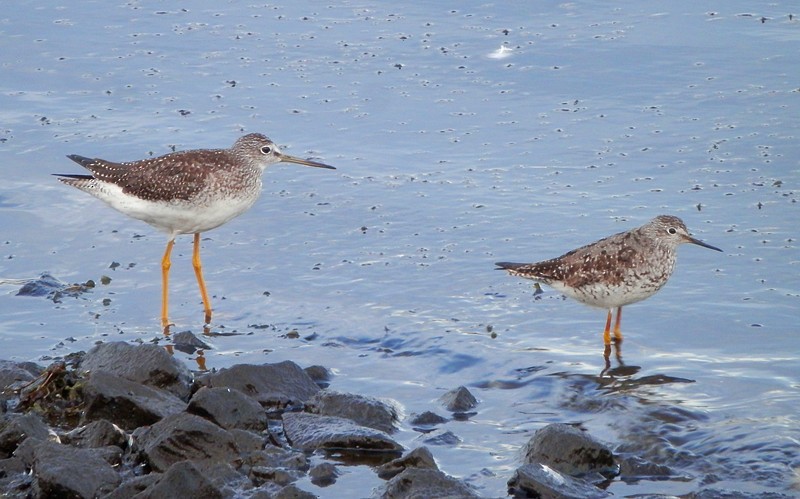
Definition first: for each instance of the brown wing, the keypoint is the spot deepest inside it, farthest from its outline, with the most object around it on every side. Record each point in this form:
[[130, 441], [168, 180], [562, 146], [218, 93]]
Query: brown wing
[[179, 175]]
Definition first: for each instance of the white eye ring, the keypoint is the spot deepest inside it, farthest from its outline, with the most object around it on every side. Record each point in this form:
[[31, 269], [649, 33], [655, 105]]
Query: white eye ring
[[266, 150], [672, 230]]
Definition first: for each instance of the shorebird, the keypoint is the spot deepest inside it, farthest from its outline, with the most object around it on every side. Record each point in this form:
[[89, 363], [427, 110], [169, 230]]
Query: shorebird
[[616, 271], [186, 192]]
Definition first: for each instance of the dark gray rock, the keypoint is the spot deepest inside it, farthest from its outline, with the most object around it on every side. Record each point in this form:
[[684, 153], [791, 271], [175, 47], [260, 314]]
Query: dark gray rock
[[323, 474], [14, 428], [146, 364], [130, 488], [276, 457], [15, 373], [188, 342], [182, 479], [292, 491], [420, 457], [97, 434], [126, 403], [318, 373], [427, 419], [539, 480], [261, 475], [366, 411], [569, 450], [636, 468], [12, 473], [182, 437], [228, 408], [458, 400], [311, 431], [247, 441], [64, 471], [419, 483], [272, 385], [442, 437]]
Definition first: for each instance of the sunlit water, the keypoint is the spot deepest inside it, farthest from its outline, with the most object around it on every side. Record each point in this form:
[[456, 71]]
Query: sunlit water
[[451, 154]]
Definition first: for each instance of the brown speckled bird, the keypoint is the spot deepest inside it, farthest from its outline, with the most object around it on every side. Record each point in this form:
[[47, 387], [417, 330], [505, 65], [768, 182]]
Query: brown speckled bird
[[615, 271], [186, 192]]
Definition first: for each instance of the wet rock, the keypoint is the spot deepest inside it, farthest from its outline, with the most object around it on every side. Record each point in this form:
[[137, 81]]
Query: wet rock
[[183, 436], [420, 457], [12, 470], [366, 411], [247, 441], [52, 288], [427, 419], [442, 437], [277, 457], [323, 474], [126, 403], [131, 487], [539, 480], [188, 342], [458, 400], [261, 475], [182, 479], [15, 428], [319, 374], [149, 365], [99, 433], [419, 483], [636, 468], [228, 408], [569, 450], [311, 431], [272, 385], [64, 471], [15, 373], [292, 491]]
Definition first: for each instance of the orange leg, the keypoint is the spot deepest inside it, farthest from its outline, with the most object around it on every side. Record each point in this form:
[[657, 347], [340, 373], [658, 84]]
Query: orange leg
[[617, 331], [165, 265], [607, 331], [198, 271]]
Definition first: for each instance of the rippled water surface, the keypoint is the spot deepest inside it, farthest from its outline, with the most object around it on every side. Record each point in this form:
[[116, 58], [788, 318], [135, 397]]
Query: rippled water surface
[[451, 154]]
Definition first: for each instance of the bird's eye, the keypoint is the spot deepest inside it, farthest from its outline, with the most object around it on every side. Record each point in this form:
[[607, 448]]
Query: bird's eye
[[266, 149], [672, 230]]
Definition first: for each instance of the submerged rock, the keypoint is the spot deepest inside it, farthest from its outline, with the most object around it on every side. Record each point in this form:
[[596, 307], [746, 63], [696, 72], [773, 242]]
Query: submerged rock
[[539, 480]]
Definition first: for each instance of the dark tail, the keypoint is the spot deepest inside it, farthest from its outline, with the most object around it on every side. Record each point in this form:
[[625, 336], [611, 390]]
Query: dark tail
[[508, 265], [65, 176], [81, 160]]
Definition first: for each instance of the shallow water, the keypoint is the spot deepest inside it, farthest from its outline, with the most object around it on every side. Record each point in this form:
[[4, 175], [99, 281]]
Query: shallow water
[[451, 155]]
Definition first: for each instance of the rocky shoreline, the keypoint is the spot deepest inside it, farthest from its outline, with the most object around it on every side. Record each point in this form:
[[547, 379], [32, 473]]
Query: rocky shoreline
[[132, 421]]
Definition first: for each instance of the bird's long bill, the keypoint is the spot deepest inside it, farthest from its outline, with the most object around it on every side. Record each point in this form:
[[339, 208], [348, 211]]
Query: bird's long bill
[[300, 161], [701, 243]]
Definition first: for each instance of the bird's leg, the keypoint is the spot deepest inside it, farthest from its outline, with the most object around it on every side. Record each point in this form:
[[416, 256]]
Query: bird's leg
[[165, 265], [198, 271], [607, 331], [617, 331]]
